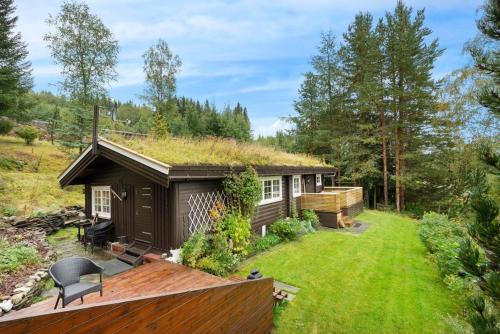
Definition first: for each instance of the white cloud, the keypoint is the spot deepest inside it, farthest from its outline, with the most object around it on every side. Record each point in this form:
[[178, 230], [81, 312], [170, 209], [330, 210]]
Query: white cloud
[[269, 126]]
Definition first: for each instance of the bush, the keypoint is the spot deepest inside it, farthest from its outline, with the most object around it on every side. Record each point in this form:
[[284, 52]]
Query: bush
[[28, 133], [311, 217], [193, 249], [442, 238], [243, 190], [9, 211], [6, 126], [266, 242], [287, 229], [237, 228]]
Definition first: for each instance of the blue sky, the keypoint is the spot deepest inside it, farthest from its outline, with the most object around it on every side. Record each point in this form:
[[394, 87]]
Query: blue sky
[[254, 52]]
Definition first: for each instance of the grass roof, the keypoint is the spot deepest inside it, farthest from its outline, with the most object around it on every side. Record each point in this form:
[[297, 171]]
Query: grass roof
[[214, 151]]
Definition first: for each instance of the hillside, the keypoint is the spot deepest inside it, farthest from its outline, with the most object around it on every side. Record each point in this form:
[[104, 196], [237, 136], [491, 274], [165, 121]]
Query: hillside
[[28, 178]]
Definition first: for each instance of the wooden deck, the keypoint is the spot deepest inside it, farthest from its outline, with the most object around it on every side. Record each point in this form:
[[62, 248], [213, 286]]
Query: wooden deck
[[159, 297], [149, 279]]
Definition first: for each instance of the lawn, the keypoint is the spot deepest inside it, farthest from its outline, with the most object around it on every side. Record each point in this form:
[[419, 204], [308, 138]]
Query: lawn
[[376, 282]]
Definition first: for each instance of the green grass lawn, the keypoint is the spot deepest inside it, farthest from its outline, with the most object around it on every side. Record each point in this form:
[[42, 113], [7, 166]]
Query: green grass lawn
[[376, 282]]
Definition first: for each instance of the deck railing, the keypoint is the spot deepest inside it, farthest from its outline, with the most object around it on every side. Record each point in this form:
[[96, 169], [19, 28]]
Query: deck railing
[[325, 201], [332, 199], [348, 195]]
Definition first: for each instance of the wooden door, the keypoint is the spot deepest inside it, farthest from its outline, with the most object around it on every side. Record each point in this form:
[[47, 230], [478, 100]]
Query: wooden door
[[143, 220], [310, 183]]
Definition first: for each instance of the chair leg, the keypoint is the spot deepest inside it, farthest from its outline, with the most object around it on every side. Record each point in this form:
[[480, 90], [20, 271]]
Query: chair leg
[[57, 302], [101, 292], [81, 298]]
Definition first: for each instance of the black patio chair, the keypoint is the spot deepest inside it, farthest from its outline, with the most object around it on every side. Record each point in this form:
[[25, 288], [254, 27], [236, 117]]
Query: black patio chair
[[66, 274], [97, 234]]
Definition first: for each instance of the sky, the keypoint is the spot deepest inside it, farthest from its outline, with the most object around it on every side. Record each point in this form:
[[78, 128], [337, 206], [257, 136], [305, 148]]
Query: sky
[[253, 52]]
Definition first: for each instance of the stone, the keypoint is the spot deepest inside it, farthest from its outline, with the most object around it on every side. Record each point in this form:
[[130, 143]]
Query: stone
[[18, 285], [22, 289], [17, 298], [6, 305], [5, 297], [35, 277], [43, 275], [81, 215], [30, 283]]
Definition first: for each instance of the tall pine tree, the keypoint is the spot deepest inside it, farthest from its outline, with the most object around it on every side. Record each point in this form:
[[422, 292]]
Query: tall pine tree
[[15, 69]]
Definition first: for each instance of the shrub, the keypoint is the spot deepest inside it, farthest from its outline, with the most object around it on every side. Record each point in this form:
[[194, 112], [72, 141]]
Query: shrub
[[266, 242], [28, 133], [193, 249], [6, 126], [311, 217], [243, 190], [287, 229], [237, 228], [442, 238]]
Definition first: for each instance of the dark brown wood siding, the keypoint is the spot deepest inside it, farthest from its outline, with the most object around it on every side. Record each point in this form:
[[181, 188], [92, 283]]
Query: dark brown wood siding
[[122, 212], [183, 190], [268, 213]]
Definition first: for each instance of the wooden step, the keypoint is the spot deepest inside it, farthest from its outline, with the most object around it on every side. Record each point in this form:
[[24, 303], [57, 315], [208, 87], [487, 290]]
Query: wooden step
[[137, 251], [130, 259]]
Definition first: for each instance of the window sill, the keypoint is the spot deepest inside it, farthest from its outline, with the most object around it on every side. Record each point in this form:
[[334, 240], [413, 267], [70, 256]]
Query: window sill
[[270, 201]]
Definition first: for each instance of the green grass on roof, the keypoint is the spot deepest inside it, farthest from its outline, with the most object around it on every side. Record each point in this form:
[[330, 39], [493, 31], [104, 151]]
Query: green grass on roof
[[214, 151]]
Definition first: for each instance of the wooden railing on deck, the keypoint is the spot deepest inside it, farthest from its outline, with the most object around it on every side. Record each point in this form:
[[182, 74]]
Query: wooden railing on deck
[[348, 196], [241, 307], [325, 202]]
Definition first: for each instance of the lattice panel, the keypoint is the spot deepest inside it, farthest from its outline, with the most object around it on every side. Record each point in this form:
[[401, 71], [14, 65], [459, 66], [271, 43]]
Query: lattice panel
[[200, 208]]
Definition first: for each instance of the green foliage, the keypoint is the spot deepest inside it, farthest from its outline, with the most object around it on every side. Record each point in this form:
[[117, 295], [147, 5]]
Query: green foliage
[[287, 229], [11, 164], [442, 237], [15, 69], [266, 242], [194, 248], [210, 253], [5, 126], [237, 228], [159, 128], [9, 211], [28, 133], [243, 190], [16, 257], [311, 217]]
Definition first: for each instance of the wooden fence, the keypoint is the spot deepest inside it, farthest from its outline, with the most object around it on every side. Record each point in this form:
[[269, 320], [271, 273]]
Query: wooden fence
[[240, 307]]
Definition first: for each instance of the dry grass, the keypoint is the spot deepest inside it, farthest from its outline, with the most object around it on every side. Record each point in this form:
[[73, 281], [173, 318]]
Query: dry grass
[[35, 188], [214, 151]]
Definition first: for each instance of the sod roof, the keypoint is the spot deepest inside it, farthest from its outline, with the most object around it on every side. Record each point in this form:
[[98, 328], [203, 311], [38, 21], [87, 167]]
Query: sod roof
[[214, 151]]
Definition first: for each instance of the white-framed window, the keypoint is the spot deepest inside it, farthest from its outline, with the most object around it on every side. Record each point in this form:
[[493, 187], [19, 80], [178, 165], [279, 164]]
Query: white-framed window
[[101, 201], [296, 186], [271, 189], [318, 179]]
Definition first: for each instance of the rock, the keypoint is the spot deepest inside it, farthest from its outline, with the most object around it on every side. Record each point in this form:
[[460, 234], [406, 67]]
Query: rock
[[6, 305], [30, 283], [35, 277], [81, 215], [17, 298], [18, 285], [6, 297], [21, 290], [43, 275]]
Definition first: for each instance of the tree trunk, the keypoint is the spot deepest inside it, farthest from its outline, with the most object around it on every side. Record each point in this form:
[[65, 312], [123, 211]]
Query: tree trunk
[[384, 156]]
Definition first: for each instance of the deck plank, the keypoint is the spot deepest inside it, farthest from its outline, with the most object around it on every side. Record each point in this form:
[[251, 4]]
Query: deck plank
[[145, 280]]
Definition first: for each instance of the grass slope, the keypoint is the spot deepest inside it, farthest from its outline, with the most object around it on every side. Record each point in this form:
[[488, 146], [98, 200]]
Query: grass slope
[[35, 187], [377, 282], [214, 151]]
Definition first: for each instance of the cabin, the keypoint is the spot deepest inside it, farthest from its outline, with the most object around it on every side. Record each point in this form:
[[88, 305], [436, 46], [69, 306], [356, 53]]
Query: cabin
[[157, 198]]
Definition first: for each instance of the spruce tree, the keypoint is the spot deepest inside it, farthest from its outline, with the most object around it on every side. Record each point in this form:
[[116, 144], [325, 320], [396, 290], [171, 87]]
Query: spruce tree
[[15, 69]]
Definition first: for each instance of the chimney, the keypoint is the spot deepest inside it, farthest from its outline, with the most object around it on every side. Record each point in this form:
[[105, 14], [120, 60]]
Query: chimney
[[95, 124]]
